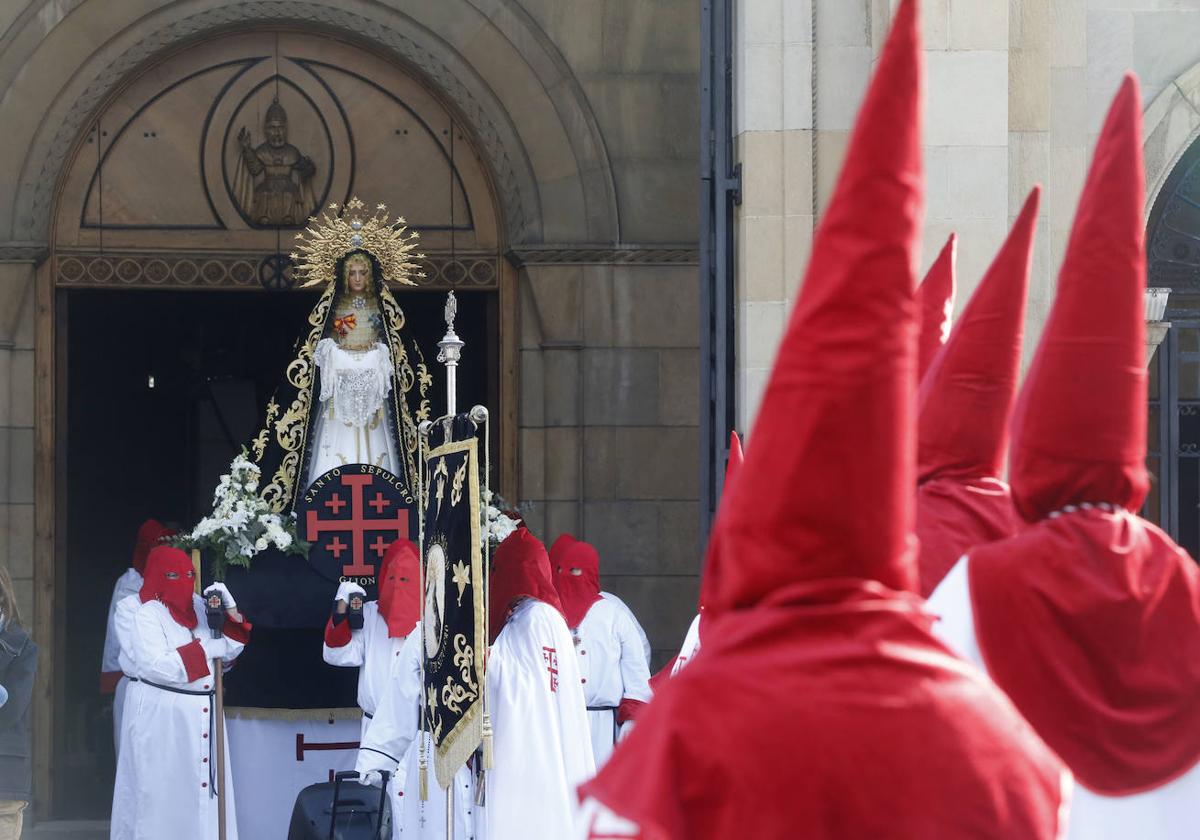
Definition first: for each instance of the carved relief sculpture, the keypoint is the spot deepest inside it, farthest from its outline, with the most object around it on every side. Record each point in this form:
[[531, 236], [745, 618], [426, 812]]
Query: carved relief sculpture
[[273, 182]]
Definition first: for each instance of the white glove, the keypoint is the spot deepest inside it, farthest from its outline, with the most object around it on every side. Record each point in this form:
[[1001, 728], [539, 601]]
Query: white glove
[[348, 589], [226, 596], [372, 778]]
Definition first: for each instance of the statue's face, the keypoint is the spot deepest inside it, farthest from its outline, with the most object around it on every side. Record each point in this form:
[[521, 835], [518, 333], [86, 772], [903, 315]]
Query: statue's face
[[276, 131], [358, 274]]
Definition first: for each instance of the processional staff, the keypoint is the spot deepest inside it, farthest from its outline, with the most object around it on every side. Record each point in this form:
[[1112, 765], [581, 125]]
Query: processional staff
[[449, 352]]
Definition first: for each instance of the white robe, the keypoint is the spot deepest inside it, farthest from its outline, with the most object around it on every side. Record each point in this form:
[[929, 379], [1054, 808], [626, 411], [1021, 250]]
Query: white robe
[[352, 425], [390, 743], [612, 667], [162, 790], [608, 596], [374, 653], [129, 583], [690, 647], [542, 743], [1169, 812]]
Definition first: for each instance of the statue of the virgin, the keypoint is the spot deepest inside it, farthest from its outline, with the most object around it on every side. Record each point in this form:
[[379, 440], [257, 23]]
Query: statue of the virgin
[[356, 390]]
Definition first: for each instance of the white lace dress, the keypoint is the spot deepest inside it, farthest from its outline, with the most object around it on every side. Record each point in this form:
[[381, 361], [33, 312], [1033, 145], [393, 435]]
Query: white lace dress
[[352, 426]]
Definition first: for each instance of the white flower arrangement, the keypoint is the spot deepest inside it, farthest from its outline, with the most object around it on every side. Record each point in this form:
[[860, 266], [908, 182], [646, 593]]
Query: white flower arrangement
[[241, 524], [497, 524]]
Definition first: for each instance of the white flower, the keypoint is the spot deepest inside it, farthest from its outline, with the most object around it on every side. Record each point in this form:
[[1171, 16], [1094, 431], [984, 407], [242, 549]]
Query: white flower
[[261, 544]]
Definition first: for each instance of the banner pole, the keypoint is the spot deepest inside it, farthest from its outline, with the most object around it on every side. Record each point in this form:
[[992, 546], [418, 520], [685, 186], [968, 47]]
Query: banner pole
[[219, 685], [450, 810], [449, 352]]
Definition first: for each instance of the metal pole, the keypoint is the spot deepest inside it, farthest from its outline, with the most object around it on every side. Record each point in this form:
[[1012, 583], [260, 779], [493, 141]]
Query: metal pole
[[449, 352], [219, 685], [450, 808]]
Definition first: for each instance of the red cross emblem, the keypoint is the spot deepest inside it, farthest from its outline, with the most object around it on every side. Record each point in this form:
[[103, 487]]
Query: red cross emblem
[[550, 655], [349, 515]]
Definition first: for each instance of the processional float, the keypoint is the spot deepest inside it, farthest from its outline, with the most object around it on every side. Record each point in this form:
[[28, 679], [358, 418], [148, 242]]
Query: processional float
[[349, 460]]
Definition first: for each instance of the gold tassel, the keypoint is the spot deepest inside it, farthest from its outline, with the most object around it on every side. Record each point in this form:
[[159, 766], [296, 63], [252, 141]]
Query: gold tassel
[[423, 776], [487, 741]]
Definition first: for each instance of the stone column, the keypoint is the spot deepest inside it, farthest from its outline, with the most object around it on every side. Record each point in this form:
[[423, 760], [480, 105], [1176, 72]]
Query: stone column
[[16, 428], [773, 91]]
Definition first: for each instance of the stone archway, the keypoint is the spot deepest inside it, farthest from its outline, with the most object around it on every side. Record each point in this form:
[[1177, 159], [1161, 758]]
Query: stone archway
[[145, 200], [1170, 125]]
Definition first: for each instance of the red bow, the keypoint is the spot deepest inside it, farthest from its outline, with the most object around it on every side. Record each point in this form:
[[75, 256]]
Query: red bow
[[344, 325]]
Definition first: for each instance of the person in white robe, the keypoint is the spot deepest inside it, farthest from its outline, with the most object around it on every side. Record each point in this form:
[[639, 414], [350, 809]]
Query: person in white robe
[[1089, 617], [375, 647], [166, 770], [391, 743], [542, 747], [614, 667], [112, 678]]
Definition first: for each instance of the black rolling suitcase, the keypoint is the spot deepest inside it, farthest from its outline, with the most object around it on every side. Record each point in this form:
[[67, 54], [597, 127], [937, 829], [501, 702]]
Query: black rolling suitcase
[[342, 810]]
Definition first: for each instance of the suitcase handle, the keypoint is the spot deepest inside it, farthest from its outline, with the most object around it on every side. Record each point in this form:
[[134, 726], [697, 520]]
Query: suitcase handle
[[353, 775]]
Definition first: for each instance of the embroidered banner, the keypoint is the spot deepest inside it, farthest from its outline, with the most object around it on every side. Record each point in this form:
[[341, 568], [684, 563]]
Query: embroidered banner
[[454, 625]]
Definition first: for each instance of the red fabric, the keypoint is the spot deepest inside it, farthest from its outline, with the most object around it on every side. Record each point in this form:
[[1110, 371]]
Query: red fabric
[[629, 709], [238, 631], [713, 562], [148, 536], [836, 418], [520, 569], [829, 722], [109, 680], [967, 394], [400, 588], [576, 569], [963, 414], [821, 705], [1091, 623], [1090, 619], [953, 516], [935, 298], [195, 663], [1079, 427], [660, 677], [175, 594], [338, 635]]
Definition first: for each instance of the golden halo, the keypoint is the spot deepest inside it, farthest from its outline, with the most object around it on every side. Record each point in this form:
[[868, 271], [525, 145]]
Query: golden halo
[[328, 239]]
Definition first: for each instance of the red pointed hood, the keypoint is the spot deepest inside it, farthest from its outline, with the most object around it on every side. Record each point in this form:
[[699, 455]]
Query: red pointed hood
[[712, 561], [967, 394], [935, 300], [171, 579], [148, 536], [826, 491], [1089, 619], [520, 568], [1079, 428], [576, 569], [400, 588]]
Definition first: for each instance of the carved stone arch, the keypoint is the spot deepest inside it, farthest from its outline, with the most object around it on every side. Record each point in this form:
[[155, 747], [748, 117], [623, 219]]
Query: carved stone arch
[[531, 183], [1171, 124]]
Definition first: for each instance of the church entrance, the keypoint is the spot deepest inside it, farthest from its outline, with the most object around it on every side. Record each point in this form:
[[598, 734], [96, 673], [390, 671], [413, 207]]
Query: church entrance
[[161, 390], [172, 310]]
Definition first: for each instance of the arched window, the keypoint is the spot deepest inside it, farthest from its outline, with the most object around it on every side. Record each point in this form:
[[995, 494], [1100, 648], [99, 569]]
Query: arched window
[[1173, 428]]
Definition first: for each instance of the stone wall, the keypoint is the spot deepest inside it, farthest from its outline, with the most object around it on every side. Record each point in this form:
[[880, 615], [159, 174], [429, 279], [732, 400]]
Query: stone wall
[[608, 417], [1016, 92], [16, 429]]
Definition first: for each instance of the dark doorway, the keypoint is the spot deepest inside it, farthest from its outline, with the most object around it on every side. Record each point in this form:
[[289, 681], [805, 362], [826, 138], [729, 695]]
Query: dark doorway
[[161, 389]]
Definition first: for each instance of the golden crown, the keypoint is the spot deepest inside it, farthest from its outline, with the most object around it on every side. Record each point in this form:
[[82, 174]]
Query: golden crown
[[328, 239]]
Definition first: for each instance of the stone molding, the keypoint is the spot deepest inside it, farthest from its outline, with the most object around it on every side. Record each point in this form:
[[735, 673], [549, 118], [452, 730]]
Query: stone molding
[[24, 252], [1170, 124], [238, 271], [486, 115], [605, 255]]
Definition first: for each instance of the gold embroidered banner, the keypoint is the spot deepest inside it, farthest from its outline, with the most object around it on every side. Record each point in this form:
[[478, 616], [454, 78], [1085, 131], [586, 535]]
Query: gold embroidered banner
[[453, 620]]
